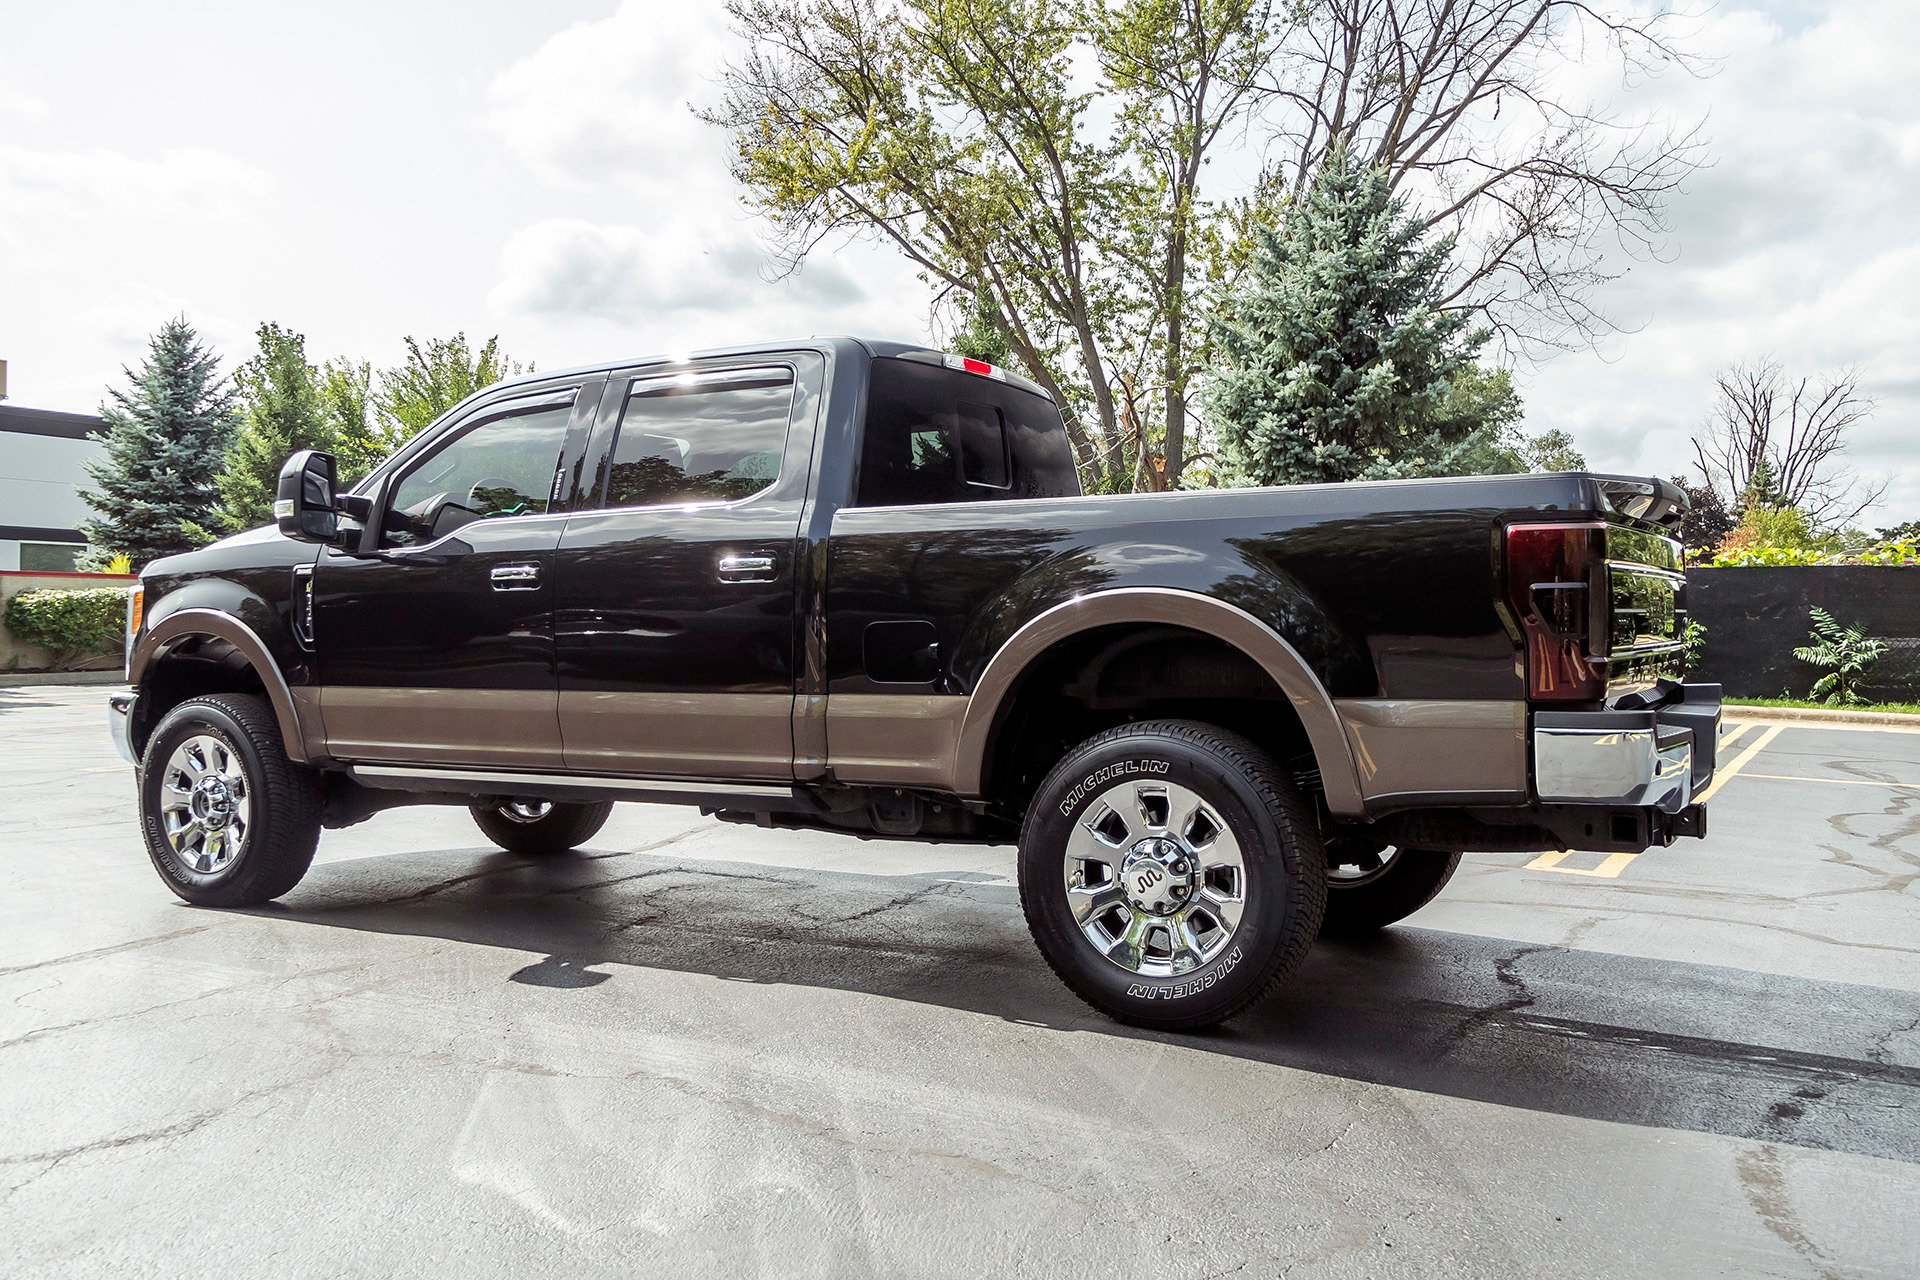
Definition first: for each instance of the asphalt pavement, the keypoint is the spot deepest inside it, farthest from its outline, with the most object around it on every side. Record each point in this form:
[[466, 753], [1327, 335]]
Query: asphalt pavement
[[699, 1050]]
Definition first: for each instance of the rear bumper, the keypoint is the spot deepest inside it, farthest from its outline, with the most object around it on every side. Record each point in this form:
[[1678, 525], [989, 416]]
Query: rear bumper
[[1659, 757], [120, 725]]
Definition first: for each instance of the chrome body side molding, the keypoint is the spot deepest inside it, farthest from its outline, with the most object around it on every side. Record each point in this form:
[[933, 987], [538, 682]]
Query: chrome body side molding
[[500, 782], [1225, 622]]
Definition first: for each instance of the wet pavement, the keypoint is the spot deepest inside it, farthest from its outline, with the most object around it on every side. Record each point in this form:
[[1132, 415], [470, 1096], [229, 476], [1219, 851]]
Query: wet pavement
[[698, 1049]]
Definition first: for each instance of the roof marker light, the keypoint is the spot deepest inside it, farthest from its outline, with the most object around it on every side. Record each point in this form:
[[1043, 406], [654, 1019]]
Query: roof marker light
[[967, 364]]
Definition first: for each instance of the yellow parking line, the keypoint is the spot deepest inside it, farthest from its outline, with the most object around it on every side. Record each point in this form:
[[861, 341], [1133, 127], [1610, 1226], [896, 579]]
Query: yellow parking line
[[1845, 782], [1721, 776], [1609, 869]]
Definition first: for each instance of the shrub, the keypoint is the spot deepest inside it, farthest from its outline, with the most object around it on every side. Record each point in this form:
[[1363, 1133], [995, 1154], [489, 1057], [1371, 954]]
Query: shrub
[[70, 624], [1845, 653], [1694, 637]]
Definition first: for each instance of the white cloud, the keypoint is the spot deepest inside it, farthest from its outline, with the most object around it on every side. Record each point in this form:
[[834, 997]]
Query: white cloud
[[186, 183], [1798, 242], [610, 100]]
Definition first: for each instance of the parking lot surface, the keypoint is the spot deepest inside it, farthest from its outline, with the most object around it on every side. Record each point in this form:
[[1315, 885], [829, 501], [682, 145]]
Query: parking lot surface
[[704, 1050]]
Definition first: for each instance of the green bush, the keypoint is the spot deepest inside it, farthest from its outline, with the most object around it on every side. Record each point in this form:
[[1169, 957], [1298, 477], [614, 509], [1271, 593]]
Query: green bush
[[70, 624]]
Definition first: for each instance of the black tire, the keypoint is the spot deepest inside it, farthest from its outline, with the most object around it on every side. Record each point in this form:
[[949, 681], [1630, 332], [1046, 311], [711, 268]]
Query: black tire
[[560, 828], [1281, 879], [267, 827], [1409, 880]]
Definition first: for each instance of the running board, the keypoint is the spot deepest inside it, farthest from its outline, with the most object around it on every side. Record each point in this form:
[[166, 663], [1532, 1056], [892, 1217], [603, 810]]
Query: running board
[[753, 797]]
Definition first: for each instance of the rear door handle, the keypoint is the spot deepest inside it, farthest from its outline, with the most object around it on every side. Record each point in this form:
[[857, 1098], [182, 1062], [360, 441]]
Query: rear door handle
[[746, 569], [515, 577]]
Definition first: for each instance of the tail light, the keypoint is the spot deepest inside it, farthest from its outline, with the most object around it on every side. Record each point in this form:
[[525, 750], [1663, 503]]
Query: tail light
[[1557, 590]]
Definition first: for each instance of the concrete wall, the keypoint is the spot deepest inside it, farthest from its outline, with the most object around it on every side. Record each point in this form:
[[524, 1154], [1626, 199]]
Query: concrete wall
[[1755, 618], [18, 656]]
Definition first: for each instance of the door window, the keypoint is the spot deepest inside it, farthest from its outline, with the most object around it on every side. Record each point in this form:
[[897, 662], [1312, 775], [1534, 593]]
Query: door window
[[501, 465], [714, 437]]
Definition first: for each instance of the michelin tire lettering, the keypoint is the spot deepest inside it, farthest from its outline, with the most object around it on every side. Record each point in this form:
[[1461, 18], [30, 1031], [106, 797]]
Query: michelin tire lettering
[[1105, 774]]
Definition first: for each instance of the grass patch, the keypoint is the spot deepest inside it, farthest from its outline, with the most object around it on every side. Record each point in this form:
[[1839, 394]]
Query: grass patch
[[1897, 708]]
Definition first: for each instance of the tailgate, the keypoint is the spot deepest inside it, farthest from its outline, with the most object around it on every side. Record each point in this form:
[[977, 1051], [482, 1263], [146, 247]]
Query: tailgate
[[1646, 595]]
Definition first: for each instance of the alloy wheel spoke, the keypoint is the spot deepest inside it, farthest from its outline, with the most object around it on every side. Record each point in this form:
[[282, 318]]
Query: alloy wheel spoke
[[1091, 902]]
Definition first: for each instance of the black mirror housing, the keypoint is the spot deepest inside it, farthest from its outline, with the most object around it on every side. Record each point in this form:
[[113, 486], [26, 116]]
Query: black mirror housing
[[303, 504]]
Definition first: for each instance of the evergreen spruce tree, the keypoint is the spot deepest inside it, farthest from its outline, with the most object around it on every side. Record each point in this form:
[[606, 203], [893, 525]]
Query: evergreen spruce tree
[[281, 412], [1336, 361], [165, 439]]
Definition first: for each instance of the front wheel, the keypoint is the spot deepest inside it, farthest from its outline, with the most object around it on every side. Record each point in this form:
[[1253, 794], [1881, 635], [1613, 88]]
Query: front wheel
[[228, 819], [1369, 888], [1170, 873], [540, 827]]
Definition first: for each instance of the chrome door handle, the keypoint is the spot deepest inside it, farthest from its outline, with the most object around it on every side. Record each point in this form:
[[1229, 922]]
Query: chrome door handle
[[746, 569], [515, 577]]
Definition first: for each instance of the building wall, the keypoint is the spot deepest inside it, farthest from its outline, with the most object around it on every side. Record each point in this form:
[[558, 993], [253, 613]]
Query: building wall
[[42, 457]]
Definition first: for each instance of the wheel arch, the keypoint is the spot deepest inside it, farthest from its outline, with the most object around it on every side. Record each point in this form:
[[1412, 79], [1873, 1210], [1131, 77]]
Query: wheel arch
[[189, 631], [997, 691]]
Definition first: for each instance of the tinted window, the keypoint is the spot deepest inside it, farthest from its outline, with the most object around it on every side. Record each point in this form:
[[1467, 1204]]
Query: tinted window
[[715, 439], [501, 465], [938, 435]]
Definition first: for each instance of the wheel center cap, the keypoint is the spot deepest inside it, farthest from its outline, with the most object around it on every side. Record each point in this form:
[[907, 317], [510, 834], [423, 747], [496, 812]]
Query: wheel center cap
[[213, 801], [1157, 876]]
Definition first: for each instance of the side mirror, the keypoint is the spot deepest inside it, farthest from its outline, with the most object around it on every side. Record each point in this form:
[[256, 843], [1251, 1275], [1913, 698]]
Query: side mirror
[[303, 505]]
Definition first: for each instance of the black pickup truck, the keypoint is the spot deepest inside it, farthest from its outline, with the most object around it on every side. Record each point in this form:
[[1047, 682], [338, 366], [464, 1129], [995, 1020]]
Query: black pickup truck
[[854, 586]]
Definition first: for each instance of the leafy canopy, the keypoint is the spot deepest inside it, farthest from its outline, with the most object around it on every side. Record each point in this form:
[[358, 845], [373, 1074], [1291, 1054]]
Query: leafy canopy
[[283, 412]]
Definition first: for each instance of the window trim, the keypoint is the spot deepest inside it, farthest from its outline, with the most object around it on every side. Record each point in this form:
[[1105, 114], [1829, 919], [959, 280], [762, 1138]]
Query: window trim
[[596, 504], [482, 414]]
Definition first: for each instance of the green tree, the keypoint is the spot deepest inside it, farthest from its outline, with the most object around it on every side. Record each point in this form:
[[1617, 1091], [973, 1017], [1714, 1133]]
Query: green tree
[[1844, 653], [1336, 360], [435, 377], [1552, 450], [166, 436], [281, 412], [984, 336], [346, 402]]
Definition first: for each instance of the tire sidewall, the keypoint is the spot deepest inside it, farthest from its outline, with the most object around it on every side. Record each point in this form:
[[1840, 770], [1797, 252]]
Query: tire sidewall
[[1065, 799], [189, 720]]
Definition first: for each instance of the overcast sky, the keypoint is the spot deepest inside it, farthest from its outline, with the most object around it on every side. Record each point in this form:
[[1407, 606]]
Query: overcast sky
[[359, 172]]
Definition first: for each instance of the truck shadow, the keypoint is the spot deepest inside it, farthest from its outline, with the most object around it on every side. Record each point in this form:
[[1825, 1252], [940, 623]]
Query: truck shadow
[[1580, 1033]]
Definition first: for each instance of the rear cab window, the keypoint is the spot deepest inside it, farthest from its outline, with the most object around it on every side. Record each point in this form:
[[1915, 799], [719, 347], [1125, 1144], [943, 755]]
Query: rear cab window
[[935, 434]]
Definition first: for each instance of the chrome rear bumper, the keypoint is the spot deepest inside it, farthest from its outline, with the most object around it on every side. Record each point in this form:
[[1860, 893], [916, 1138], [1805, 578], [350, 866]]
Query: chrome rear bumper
[[120, 725], [1657, 758]]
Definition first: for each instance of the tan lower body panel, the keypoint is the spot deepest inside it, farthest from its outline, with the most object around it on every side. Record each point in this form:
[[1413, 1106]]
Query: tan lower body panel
[[700, 735], [510, 728], [900, 739], [1426, 746]]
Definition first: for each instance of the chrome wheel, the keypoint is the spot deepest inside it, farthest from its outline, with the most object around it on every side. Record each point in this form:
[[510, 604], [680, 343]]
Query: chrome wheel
[[1350, 868], [205, 808], [1154, 878], [526, 810]]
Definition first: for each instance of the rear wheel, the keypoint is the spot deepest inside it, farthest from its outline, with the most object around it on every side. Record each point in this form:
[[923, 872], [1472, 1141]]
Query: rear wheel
[[1170, 873], [1370, 887], [540, 826], [227, 819]]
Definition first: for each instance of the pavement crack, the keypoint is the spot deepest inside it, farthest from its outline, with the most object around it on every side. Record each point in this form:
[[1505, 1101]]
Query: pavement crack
[[1765, 1185], [1506, 970], [116, 949]]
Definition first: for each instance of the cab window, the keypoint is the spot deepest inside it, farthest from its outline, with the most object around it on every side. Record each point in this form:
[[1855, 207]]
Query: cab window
[[501, 465], [937, 435], [708, 437]]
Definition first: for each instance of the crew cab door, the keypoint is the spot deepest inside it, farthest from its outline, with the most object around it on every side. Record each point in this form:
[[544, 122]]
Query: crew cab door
[[441, 652], [675, 620]]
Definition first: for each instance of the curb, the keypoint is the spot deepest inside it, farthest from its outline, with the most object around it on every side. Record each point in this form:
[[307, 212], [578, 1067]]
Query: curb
[[72, 677], [1817, 715]]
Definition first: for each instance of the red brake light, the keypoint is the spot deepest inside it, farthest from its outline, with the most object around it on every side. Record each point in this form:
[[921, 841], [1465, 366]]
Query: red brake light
[[967, 364], [1557, 590]]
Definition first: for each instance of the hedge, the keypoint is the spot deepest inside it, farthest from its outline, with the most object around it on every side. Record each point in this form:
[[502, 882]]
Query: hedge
[[70, 624]]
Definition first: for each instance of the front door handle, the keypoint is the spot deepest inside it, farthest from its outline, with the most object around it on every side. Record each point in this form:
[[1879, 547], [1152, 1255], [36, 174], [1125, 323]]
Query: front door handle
[[746, 569], [515, 577]]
